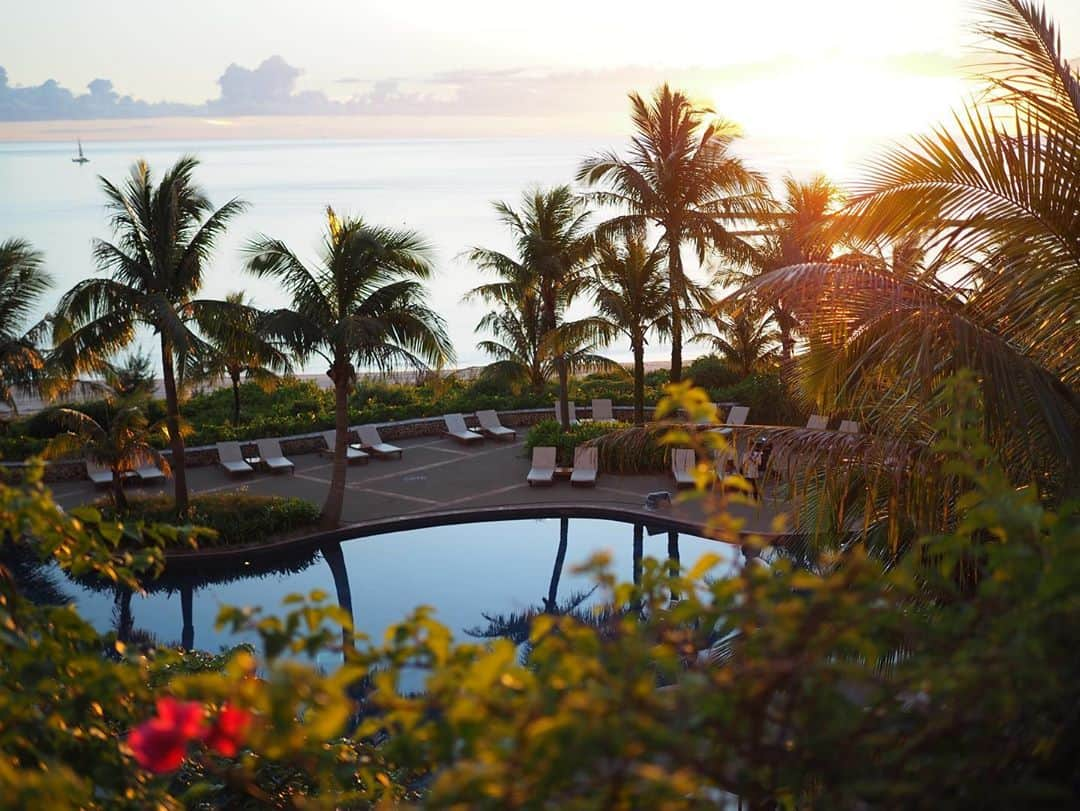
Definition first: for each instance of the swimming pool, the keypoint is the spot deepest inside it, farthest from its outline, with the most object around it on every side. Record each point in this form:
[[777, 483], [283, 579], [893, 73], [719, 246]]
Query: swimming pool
[[465, 571]]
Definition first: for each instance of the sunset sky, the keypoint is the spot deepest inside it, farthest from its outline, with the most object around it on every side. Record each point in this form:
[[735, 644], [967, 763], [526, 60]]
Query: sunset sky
[[828, 72]]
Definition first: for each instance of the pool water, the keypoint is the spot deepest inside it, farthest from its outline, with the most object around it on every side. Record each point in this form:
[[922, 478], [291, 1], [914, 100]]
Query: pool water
[[465, 571]]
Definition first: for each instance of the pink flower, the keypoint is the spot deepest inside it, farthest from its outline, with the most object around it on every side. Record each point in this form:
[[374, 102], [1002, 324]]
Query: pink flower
[[160, 743], [227, 733]]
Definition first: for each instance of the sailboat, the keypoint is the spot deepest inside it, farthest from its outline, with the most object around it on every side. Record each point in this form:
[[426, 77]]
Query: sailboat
[[82, 158]]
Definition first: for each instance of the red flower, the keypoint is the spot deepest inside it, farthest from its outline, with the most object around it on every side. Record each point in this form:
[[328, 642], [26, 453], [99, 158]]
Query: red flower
[[159, 744], [227, 733]]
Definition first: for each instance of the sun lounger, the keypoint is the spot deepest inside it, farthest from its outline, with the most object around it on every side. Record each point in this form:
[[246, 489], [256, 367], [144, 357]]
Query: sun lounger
[[272, 458], [232, 459], [101, 476], [543, 466], [584, 467], [602, 411], [455, 429], [683, 463], [849, 427], [351, 454], [150, 473], [817, 422], [572, 410], [737, 416], [372, 443], [490, 426]]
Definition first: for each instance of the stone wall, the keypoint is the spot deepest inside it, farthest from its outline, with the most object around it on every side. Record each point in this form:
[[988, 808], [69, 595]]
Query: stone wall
[[203, 455]]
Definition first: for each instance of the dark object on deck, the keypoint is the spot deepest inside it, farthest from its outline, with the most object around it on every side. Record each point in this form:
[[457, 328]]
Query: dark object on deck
[[654, 500]]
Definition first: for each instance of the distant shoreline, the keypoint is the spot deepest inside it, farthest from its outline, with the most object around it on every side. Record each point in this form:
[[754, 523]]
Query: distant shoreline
[[31, 405]]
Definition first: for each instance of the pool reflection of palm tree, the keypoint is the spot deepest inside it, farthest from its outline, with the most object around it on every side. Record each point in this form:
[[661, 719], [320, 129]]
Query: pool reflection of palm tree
[[335, 559]]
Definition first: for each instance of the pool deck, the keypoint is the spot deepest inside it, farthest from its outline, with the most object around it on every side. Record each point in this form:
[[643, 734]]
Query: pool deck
[[437, 475]]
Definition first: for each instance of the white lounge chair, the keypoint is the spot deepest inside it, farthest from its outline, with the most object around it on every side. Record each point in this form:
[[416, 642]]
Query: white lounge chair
[[572, 410], [543, 466], [272, 458], [455, 429], [150, 473], [849, 427], [737, 416], [602, 411], [101, 476], [232, 459], [683, 463], [372, 443], [490, 426], [584, 466], [817, 422], [351, 454]]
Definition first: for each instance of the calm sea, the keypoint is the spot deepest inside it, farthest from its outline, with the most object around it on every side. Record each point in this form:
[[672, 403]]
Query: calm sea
[[443, 188]]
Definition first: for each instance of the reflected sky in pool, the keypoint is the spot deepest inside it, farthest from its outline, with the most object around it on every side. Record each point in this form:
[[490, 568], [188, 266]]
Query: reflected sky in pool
[[464, 571]]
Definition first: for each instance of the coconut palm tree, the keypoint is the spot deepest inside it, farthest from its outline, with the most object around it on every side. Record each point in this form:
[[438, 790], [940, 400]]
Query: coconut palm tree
[[994, 199], [680, 178], [747, 337], [553, 247], [517, 346], [165, 236], [239, 350], [363, 303], [22, 283], [630, 292], [122, 444]]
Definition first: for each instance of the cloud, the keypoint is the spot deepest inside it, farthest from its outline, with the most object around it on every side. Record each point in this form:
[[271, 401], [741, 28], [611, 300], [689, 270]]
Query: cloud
[[270, 89]]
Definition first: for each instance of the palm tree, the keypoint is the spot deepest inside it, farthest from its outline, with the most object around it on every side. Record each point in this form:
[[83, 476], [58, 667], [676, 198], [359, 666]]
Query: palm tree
[[794, 233], [122, 444], [165, 236], [747, 337], [22, 283], [680, 178], [238, 349], [553, 247], [998, 291], [517, 345], [363, 303], [630, 291]]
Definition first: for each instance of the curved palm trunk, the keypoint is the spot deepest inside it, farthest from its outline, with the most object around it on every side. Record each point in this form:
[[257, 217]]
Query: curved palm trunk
[[335, 497], [335, 559], [172, 420], [639, 383], [556, 573], [235, 397], [675, 285]]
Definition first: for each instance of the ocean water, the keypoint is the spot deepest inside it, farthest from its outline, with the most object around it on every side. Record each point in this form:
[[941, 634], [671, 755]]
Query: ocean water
[[442, 188]]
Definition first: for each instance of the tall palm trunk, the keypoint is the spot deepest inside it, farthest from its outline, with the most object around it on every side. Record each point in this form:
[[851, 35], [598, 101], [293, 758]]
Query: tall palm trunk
[[119, 497], [235, 376], [556, 572], [335, 498], [675, 285], [639, 383], [335, 559], [564, 392], [172, 420]]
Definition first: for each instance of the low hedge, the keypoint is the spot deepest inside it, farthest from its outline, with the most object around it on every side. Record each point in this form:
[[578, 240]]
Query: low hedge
[[548, 433], [238, 518], [633, 449]]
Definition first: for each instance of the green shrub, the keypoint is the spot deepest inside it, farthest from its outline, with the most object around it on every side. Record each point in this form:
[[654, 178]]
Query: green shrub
[[548, 434], [632, 450], [238, 518], [770, 403], [711, 372]]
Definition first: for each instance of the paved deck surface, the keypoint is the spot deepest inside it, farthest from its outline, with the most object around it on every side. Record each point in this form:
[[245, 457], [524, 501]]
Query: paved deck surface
[[435, 475]]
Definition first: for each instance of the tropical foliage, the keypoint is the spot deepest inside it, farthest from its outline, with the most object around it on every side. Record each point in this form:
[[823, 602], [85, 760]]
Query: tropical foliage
[[23, 281], [681, 178], [165, 236], [363, 303]]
